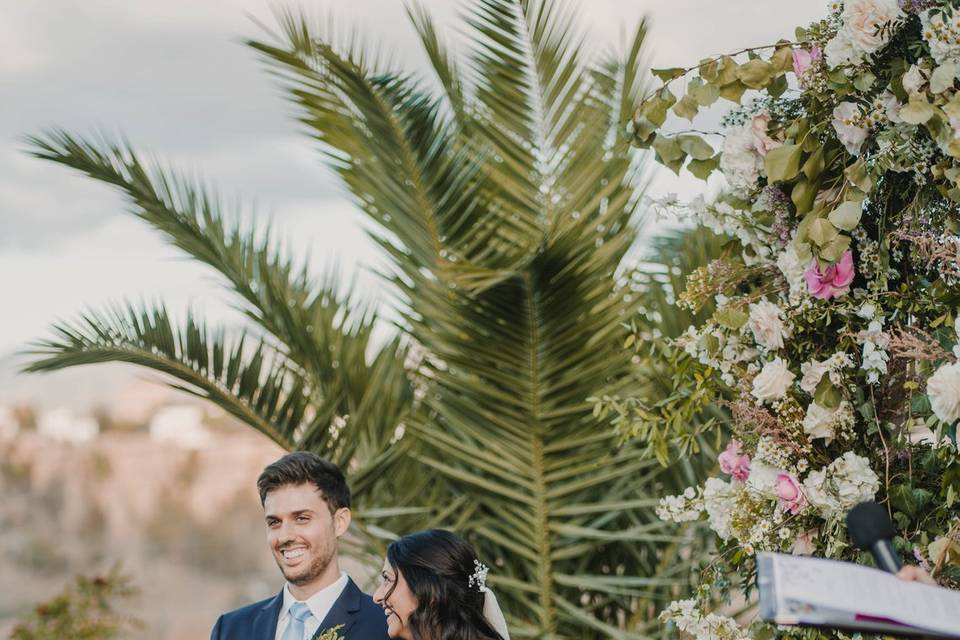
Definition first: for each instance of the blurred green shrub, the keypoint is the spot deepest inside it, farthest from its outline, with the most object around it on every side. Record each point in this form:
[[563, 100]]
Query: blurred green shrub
[[84, 611]]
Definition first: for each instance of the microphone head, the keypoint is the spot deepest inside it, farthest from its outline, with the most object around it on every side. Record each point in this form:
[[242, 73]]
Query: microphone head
[[867, 523]]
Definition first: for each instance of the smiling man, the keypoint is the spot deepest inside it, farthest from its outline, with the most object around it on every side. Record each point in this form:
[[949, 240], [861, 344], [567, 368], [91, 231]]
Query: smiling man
[[306, 504]]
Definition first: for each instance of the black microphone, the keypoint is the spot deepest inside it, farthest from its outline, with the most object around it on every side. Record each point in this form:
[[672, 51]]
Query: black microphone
[[871, 530]]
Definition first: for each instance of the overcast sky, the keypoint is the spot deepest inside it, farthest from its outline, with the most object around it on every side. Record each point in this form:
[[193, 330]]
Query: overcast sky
[[174, 77]]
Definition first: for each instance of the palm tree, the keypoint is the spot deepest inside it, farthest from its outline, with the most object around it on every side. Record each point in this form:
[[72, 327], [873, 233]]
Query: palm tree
[[505, 198]]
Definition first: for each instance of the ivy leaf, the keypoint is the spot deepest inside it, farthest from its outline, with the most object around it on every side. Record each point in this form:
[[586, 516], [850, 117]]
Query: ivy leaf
[[782, 58], [864, 81], [687, 107], [704, 94], [835, 248], [783, 163], [778, 86], [727, 71], [703, 168], [858, 176], [666, 75], [822, 232], [733, 91], [847, 215], [756, 73], [695, 147]]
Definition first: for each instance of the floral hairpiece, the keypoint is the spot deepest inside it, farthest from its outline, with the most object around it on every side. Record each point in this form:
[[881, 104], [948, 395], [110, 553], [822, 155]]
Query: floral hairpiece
[[479, 576]]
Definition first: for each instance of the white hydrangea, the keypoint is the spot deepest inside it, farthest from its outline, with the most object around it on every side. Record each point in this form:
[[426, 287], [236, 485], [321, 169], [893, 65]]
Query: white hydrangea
[[717, 348], [942, 36], [740, 162], [943, 389], [719, 501], [688, 618], [847, 481], [762, 481], [793, 269], [766, 323]]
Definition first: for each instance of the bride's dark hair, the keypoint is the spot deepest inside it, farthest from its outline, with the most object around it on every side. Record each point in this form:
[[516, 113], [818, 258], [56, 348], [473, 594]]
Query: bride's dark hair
[[437, 566]]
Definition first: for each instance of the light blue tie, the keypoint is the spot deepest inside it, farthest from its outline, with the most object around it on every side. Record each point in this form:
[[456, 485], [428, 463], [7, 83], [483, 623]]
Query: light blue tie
[[299, 612]]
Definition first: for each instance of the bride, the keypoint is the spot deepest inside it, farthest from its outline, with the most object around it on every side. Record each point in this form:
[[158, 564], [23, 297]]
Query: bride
[[433, 587]]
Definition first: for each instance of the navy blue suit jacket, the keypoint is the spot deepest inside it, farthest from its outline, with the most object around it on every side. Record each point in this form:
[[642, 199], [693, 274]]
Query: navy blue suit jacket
[[362, 619]]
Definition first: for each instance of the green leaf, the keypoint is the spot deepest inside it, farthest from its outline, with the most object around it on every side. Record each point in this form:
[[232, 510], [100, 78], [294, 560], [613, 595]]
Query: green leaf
[[778, 86], [709, 69], [669, 152], [666, 75], [864, 81], [783, 163], [813, 166], [847, 215], [942, 77], [826, 395], [731, 317], [803, 194], [696, 147]]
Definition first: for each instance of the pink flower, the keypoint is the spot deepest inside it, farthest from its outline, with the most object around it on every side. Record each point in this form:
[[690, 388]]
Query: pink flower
[[789, 494], [733, 462], [762, 143], [832, 281], [805, 543], [802, 59]]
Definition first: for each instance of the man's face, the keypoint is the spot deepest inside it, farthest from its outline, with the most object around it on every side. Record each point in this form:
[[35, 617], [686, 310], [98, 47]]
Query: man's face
[[303, 534]]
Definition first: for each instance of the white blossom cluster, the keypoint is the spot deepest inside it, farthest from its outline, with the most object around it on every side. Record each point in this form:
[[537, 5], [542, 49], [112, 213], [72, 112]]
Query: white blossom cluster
[[686, 507], [720, 503], [724, 219], [845, 482], [717, 348], [942, 34], [826, 423], [688, 618]]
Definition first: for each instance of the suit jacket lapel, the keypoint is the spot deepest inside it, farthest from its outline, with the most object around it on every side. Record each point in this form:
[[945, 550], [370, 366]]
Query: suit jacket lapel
[[265, 624], [344, 610]]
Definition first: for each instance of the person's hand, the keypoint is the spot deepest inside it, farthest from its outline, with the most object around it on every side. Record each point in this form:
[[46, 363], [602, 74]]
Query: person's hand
[[912, 573]]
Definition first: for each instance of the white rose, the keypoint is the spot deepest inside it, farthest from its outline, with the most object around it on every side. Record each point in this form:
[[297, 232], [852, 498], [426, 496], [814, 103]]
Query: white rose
[[850, 135], [773, 381], [943, 389], [821, 422], [763, 479], [863, 19], [767, 325], [812, 372], [913, 80], [840, 50]]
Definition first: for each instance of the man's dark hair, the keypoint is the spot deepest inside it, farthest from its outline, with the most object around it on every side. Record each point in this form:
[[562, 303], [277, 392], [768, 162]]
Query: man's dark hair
[[304, 467]]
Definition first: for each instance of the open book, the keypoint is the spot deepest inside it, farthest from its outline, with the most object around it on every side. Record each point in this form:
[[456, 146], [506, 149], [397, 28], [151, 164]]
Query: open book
[[827, 593]]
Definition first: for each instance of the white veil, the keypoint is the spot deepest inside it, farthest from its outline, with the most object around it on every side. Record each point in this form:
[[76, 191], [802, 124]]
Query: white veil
[[494, 615]]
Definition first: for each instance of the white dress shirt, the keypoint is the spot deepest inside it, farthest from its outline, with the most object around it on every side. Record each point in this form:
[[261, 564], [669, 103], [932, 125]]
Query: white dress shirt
[[320, 604]]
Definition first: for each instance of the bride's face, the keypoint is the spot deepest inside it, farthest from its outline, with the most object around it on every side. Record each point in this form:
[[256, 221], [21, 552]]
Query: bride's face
[[397, 604]]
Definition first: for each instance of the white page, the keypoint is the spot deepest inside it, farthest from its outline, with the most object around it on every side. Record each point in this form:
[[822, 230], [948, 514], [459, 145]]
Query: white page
[[857, 589]]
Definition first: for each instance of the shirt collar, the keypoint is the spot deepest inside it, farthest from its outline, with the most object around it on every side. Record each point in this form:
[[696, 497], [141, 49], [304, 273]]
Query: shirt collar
[[319, 603]]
